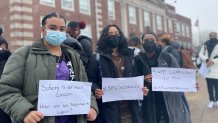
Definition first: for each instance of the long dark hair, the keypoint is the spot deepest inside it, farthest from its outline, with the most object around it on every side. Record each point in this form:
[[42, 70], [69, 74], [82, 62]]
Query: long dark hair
[[102, 46]]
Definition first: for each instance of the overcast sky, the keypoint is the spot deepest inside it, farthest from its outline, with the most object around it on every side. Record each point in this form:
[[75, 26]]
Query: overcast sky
[[205, 10]]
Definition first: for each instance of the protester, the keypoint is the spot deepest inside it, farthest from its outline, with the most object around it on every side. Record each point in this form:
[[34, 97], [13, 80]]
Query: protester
[[4, 55], [209, 55], [186, 61], [115, 61], [166, 39], [45, 59], [74, 29], [135, 44], [159, 107]]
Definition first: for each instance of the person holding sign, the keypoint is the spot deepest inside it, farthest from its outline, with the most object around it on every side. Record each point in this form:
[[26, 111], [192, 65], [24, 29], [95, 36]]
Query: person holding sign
[[115, 61], [159, 107], [45, 59], [209, 67]]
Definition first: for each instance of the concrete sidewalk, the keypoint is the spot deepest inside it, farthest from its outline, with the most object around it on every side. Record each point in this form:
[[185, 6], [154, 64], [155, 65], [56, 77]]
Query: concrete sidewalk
[[198, 105]]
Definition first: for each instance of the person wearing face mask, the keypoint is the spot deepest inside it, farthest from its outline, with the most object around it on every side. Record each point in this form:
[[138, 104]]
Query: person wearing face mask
[[159, 107], [115, 61], [209, 55], [4, 55], [45, 59]]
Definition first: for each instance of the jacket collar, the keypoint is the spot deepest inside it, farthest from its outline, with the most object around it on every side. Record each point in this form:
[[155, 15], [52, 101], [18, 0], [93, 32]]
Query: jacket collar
[[38, 47]]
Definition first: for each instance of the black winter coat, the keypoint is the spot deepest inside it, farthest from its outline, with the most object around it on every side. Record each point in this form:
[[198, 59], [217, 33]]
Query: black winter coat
[[172, 104], [109, 112], [4, 118], [3, 59]]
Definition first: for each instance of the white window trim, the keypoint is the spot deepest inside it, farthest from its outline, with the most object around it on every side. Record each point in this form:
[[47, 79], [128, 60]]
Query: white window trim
[[135, 21], [149, 18], [44, 3], [161, 22], [89, 8], [114, 15], [88, 26], [183, 30], [188, 31], [170, 23], [65, 8], [178, 29]]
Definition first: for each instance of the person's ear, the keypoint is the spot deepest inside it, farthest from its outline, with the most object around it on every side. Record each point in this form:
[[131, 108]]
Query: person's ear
[[43, 31]]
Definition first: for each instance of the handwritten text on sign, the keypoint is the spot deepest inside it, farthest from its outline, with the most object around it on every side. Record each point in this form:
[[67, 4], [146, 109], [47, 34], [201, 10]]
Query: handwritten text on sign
[[174, 79], [59, 97], [122, 88]]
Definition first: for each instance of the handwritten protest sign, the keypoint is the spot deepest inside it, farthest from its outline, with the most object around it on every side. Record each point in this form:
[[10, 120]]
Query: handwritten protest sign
[[122, 88], [174, 79], [58, 97]]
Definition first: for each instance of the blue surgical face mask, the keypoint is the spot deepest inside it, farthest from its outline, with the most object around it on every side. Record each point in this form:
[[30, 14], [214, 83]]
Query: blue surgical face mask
[[55, 38]]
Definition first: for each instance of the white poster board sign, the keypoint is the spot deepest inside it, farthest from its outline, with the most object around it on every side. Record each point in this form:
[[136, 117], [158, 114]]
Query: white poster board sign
[[59, 97], [174, 79], [203, 70], [116, 89]]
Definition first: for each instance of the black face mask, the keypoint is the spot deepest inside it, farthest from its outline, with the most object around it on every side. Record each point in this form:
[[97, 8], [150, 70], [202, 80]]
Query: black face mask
[[149, 46], [113, 41]]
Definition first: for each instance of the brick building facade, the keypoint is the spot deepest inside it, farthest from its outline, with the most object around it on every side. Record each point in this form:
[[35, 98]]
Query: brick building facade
[[21, 18]]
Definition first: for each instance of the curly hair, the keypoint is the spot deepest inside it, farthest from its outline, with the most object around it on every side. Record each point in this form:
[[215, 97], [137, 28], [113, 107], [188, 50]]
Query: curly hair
[[102, 46]]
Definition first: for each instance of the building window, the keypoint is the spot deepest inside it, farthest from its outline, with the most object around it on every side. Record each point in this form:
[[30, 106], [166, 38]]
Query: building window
[[188, 31], [3, 30], [132, 15], [147, 19], [84, 7], [159, 22], [48, 2], [178, 28], [87, 31], [67, 4], [170, 26], [111, 9], [183, 30]]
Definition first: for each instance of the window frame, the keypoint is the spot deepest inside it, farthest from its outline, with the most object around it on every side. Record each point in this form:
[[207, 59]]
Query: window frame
[[130, 8], [178, 29], [159, 25], [188, 31], [112, 8], [44, 2], [65, 8], [170, 25], [88, 6], [84, 31], [149, 18]]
